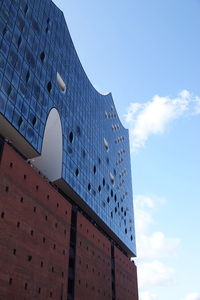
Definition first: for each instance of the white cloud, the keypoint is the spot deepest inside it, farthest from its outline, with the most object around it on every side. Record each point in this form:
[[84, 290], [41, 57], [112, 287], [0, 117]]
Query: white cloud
[[151, 245], [155, 273], [157, 245], [153, 117], [147, 296], [192, 296]]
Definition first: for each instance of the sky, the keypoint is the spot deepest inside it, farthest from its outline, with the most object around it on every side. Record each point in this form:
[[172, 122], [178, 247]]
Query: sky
[[147, 54]]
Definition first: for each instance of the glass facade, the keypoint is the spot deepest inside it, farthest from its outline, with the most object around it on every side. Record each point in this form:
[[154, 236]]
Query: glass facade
[[40, 70]]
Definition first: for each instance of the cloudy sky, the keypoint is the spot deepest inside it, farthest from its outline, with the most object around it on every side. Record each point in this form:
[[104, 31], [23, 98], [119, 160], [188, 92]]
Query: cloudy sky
[[147, 53]]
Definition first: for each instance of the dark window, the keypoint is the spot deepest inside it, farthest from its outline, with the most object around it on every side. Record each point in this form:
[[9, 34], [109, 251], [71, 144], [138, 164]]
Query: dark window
[[49, 86], [27, 76], [25, 9], [19, 41], [94, 169], [42, 56], [71, 137], [34, 120]]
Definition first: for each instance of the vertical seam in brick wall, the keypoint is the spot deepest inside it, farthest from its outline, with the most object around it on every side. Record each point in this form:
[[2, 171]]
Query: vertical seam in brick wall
[[72, 255], [113, 272], [1, 147]]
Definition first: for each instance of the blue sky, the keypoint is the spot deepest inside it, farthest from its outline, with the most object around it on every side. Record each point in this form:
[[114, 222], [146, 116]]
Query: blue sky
[[147, 53]]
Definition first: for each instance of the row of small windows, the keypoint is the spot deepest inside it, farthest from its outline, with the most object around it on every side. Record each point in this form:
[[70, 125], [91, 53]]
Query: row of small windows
[[93, 288], [89, 188], [10, 282], [18, 224], [115, 126], [110, 115], [119, 139], [120, 152]]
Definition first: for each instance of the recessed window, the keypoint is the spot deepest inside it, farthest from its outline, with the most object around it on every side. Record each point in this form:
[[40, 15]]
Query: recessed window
[[60, 83], [89, 187], [104, 182], [29, 258]]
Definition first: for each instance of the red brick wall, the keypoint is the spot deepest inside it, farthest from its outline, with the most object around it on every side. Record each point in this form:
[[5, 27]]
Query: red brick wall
[[125, 277], [34, 243], [93, 263], [34, 233]]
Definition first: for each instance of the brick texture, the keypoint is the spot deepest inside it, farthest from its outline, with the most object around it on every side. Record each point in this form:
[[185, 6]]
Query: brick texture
[[125, 277], [34, 233], [93, 263]]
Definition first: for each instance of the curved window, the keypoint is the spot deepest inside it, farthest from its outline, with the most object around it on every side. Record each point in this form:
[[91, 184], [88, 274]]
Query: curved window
[[112, 178], [49, 86], [94, 169], [77, 172], [71, 137], [106, 145], [60, 83]]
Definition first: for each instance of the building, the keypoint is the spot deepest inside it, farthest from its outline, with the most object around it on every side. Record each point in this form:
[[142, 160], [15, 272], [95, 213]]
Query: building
[[67, 223]]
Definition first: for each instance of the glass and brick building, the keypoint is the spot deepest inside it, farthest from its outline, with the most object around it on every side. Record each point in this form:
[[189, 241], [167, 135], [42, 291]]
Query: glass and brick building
[[66, 210]]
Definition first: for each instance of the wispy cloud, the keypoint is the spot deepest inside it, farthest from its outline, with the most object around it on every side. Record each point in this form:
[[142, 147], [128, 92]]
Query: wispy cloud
[[148, 296], [152, 247], [192, 296], [153, 117], [155, 273]]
